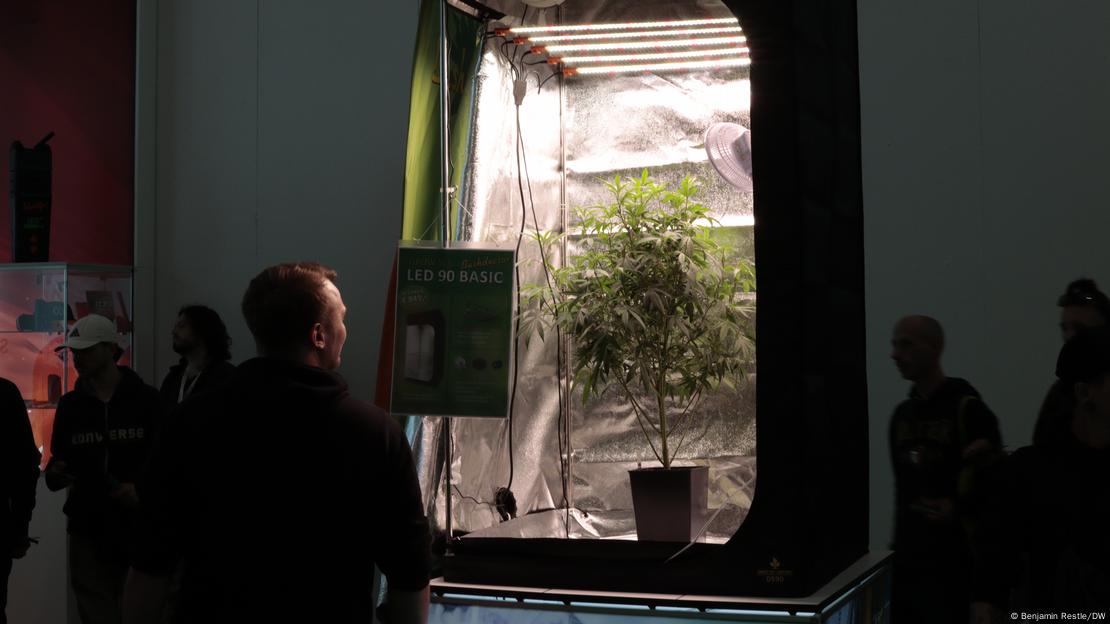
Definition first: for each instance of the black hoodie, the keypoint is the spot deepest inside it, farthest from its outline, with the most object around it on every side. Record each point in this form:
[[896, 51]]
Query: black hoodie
[[19, 465], [104, 445], [1047, 531], [281, 492], [927, 439], [215, 375]]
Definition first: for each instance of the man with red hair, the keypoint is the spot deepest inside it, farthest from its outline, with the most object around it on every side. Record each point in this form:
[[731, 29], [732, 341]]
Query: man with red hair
[[280, 491]]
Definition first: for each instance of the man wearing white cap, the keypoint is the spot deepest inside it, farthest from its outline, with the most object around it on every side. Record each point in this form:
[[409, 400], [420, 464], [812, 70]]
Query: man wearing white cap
[[103, 432]]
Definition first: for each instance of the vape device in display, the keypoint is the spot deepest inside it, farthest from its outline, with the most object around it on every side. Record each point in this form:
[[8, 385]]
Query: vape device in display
[[424, 334], [49, 316], [30, 173], [53, 388]]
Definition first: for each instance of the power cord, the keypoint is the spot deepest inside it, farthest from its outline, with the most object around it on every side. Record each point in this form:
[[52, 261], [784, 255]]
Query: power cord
[[564, 442], [504, 502], [505, 494]]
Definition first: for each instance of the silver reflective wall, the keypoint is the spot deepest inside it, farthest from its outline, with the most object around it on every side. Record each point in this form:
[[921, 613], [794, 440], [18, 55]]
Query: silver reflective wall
[[569, 462]]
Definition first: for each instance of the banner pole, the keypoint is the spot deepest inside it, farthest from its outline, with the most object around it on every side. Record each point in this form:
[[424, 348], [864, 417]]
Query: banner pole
[[444, 231]]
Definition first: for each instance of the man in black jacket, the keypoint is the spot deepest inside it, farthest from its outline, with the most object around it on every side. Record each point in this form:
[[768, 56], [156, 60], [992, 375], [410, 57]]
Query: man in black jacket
[[280, 491], [19, 476], [200, 338], [1045, 547], [103, 431], [934, 434], [1082, 306]]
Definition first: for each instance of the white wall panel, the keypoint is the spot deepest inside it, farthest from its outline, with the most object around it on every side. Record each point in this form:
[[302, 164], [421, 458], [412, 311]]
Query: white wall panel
[[207, 171], [333, 112], [280, 135], [921, 172], [984, 144], [1046, 190]]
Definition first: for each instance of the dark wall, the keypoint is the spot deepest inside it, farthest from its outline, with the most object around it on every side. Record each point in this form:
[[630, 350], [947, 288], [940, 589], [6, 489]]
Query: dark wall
[[68, 66]]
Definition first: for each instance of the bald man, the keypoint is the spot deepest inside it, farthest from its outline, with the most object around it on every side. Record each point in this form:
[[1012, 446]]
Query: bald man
[[934, 435]]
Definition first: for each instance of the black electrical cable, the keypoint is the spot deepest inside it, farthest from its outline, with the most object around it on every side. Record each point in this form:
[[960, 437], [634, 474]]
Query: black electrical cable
[[564, 442], [471, 498], [506, 504], [505, 494], [505, 507], [516, 269], [516, 61], [516, 329], [523, 17], [555, 72], [505, 56]]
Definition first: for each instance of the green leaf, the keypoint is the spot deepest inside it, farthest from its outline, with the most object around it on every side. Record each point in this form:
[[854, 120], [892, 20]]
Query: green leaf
[[651, 299]]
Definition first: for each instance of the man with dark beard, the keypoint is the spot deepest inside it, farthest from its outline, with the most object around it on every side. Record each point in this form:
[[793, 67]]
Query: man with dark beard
[[201, 339]]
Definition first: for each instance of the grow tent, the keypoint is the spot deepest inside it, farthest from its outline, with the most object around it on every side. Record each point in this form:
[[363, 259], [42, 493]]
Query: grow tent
[[566, 464]]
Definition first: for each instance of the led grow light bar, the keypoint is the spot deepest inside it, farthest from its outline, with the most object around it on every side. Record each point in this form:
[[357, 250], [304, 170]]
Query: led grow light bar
[[624, 26], [652, 56], [641, 45], [636, 34], [618, 69]]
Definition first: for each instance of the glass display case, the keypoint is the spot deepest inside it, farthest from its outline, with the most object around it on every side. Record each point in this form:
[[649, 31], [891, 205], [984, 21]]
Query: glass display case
[[38, 303]]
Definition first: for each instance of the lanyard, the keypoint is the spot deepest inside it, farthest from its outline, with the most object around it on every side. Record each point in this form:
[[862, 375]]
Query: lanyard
[[186, 385]]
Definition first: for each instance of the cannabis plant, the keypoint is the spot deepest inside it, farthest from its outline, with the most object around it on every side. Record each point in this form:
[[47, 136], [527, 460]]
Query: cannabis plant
[[653, 308]]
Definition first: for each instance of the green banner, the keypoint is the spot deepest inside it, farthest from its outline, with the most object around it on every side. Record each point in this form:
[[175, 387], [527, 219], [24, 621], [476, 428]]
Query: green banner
[[453, 333], [423, 157]]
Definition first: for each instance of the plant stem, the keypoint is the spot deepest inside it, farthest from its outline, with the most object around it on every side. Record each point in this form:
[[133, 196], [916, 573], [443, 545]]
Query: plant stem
[[663, 429], [661, 393], [637, 408], [686, 421]]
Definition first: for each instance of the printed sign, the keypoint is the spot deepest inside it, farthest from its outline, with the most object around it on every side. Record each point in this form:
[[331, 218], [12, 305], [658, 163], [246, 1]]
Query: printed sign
[[453, 336]]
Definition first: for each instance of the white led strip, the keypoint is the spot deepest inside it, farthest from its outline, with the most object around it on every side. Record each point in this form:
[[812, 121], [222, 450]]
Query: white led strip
[[637, 34], [628, 26], [654, 56], [645, 45], [613, 69]]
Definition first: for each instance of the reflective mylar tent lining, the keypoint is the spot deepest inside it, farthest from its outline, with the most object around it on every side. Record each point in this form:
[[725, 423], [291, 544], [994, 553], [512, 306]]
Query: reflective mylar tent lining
[[604, 126]]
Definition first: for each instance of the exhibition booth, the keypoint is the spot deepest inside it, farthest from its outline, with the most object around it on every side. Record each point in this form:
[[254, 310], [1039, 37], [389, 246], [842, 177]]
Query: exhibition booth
[[626, 326]]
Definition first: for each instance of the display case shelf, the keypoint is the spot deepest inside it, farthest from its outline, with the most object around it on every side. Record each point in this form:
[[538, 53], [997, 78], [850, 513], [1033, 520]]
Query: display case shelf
[[38, 303]]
